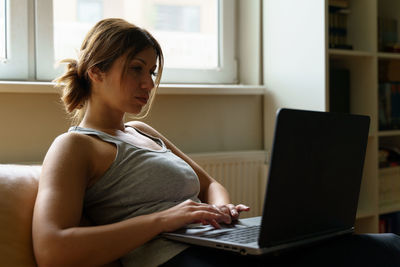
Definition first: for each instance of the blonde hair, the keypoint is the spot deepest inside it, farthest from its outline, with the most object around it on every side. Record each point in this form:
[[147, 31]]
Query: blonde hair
[[108, 40]]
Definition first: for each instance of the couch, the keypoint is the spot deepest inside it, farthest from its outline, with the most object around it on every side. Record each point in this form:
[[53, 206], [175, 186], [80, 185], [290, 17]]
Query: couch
[[18, 189]]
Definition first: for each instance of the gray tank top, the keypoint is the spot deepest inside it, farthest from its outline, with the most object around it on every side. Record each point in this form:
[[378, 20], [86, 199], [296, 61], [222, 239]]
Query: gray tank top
[[140, 181]]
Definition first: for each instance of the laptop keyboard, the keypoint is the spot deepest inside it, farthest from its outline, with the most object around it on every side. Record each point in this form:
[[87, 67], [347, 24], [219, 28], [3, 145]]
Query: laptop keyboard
[[243, 236]]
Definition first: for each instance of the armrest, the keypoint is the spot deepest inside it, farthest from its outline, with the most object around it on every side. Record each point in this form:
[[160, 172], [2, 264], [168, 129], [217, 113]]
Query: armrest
[[18, 189]]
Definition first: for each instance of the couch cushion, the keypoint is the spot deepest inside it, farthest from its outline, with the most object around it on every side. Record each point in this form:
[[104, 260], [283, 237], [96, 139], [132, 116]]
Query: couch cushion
[[18, 189]]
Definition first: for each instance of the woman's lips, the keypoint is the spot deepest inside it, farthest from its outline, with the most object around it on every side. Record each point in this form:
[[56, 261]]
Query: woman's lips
[[142, 99]]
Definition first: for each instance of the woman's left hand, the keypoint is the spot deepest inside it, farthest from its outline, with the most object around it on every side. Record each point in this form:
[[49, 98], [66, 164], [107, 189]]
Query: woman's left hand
[[232, 210]]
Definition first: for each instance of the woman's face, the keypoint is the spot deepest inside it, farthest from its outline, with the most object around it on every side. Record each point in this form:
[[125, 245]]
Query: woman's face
[[131, 92]]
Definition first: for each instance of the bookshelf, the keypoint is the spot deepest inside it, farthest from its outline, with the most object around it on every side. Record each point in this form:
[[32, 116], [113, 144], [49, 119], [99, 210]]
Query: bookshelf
[[299, 66]]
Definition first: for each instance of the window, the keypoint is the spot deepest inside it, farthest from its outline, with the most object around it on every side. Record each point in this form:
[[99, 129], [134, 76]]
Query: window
[[88, 10], [3, 51], [14, 63], [197, 36], [188, 41]]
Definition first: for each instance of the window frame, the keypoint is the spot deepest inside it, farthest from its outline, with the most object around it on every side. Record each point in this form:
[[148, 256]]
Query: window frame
[[226, 73], [46, 67], [3, 30], [17, 64], [227, 70]]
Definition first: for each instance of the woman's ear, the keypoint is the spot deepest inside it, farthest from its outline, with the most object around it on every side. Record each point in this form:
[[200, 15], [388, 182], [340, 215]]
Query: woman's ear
[[95, 74]]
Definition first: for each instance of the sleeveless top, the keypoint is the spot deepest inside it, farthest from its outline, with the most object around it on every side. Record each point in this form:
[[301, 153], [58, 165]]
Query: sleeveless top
[[140, 181]]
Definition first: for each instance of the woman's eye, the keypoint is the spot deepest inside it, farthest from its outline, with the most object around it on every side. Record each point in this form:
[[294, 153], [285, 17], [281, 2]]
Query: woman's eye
[[136, 69], [153, 73]]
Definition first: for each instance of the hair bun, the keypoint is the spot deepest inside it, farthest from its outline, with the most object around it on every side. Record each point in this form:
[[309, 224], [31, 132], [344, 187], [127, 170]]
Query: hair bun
[[72, 64]]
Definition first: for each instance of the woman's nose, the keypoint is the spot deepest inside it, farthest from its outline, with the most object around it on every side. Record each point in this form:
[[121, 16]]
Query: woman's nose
[[148, 82]]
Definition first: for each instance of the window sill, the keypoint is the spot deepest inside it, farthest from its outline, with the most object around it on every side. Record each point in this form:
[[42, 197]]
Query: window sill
[[210, 89], [165, 89]]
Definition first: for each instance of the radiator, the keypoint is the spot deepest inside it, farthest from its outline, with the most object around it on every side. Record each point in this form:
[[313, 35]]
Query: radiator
[[243, 174]]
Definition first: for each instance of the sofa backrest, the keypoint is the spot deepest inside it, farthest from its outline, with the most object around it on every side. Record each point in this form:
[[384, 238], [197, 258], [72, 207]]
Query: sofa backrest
[[18, 189]]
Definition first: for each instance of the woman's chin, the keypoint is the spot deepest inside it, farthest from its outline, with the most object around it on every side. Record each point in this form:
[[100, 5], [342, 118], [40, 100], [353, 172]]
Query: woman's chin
[[135, 110]]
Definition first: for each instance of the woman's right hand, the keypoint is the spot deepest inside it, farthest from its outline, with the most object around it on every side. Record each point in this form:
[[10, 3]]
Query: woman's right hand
[[189, 212]]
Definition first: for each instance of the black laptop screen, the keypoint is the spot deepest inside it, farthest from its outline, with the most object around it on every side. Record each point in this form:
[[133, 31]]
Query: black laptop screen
[[315, 174]]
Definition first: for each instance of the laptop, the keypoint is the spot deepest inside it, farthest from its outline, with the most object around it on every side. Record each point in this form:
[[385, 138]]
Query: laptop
[[312, 190]]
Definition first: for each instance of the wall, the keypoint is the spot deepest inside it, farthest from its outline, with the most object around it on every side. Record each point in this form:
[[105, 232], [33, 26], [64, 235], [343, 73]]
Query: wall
[[29, 123], [196, 123]]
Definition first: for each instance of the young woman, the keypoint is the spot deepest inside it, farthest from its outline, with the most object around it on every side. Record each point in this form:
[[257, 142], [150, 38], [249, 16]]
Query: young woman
[[130, 182]]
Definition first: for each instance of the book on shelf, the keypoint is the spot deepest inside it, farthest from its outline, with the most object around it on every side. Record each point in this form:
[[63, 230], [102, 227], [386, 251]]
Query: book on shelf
[[339, 3], [338, 11], [389, 156], [390, 223], [389, 191], [389, 105], [387, 35], [339, 90], [389, 70]]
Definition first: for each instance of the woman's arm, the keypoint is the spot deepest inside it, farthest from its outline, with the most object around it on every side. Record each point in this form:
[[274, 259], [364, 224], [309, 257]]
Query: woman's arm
[[57, 237], [211, 191]]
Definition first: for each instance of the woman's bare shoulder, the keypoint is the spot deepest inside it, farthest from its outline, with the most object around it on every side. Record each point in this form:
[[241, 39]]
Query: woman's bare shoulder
[[73, 141], [70, 149]]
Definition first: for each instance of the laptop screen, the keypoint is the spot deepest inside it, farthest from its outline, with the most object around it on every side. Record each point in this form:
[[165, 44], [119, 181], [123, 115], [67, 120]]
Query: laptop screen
[[315, 175]]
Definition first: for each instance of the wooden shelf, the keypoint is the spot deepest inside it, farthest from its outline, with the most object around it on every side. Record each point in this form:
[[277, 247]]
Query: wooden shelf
[[389, 209], [389, 133], [383, 55], [349, 53]]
